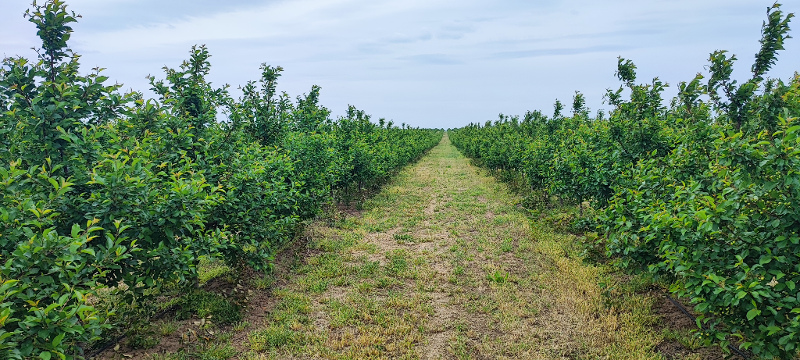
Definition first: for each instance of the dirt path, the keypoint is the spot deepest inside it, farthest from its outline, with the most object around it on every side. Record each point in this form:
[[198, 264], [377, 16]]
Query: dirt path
[[442, 265]]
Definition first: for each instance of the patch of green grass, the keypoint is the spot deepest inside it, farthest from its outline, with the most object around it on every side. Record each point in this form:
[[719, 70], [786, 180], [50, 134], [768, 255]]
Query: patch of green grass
[[215, 351], [507, 246], [168, 328], [177, 356], [143, 337], [497, 276], [403, 238], [274, 336], [293, 308], [385, 282], [366, 287], [458, 344], [241, 326], [204, 304], [341, 313], [326, 266], [209, 269], [458, 270], [263, 282], [683, 337], [453, 280], [398, 262], [317, 286], [337, 244], [379, 227], [369, 269], [366, 247]]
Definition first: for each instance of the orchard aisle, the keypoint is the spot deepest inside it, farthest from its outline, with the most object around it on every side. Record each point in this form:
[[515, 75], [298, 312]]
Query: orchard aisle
[[441, 264]]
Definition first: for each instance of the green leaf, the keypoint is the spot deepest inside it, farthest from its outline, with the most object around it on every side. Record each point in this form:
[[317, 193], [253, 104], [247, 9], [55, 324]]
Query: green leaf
[[701, 307], [753, 313], [58, 339], [53, 182], [772, 330], [76, 230], [701, 215], [45, 355]]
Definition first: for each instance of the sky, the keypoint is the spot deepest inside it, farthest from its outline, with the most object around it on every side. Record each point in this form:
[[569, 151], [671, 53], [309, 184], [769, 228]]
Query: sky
[[426, 63]]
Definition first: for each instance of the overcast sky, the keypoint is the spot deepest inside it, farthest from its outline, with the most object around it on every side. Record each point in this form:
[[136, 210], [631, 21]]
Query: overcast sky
[[428, 63]]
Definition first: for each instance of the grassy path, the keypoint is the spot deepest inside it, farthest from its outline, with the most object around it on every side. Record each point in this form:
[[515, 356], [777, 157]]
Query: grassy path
[[441, 265]]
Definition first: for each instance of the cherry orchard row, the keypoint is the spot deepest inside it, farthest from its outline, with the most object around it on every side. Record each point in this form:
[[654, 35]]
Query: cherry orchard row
[[108, 190], [704, 192]]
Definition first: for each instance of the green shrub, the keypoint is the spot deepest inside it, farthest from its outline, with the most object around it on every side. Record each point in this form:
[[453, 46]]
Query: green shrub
[[704, 192], [159, 184]]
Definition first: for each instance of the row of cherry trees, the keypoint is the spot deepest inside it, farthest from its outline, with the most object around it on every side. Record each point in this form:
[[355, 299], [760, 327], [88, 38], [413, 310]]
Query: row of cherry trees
[[705, 191], [105, 189]]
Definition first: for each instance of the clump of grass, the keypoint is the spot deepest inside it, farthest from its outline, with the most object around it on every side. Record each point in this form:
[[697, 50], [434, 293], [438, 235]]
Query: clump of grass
[[263, 282], [177, 356], [498, 277], [273, 337], [143, 337], [458, 270], [168, 328], [341, 313], [404, 238], [215, 351], [507, 245], [204, 304], [397, 262], [241, 326], [210, 269], [684, 337], [369, 269]]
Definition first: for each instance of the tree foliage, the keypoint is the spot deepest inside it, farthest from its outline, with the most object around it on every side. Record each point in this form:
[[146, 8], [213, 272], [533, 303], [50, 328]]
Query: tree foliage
[[705, 191], [103, 189]]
